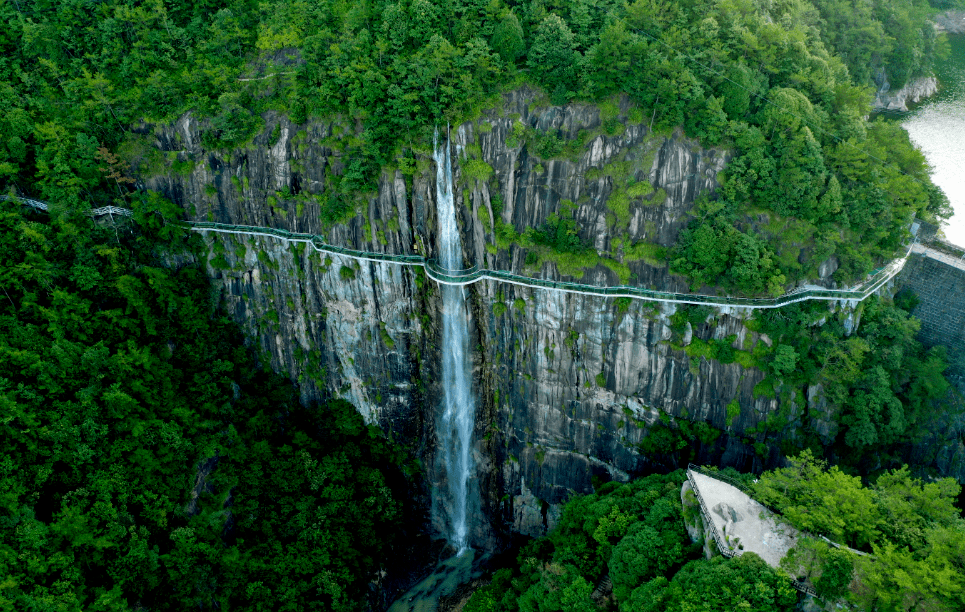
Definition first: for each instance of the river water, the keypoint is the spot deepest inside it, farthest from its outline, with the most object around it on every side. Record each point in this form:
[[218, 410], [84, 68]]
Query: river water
[[937, 126]]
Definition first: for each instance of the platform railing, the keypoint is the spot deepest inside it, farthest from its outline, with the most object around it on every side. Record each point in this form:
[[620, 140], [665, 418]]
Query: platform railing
[[722, 546], [441, 275]]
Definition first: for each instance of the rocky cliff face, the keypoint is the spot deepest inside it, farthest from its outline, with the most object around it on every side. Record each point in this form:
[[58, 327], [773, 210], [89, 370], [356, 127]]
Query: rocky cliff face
[[570, 388], [952, 22], [913, 92]]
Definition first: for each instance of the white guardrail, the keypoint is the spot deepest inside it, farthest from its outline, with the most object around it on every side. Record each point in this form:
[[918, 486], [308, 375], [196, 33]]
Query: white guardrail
[[433, 270]]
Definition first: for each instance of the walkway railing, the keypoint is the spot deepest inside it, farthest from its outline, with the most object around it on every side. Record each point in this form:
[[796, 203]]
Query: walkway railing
[[441, 275], [94, 212], [722, 546], [475, 274]]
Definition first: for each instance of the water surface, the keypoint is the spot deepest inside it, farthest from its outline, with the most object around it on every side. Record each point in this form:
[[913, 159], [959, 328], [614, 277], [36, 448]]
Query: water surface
[[937, 126]]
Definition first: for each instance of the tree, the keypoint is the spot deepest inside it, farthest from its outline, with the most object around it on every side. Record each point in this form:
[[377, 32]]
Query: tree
[[744, 582], [644, 553], [560, 588], [785, 359], [507, 38], [553, 60]]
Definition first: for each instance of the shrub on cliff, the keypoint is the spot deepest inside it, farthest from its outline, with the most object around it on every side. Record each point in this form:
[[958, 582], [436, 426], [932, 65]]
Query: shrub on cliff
[[885, 387], [807, 171], [742, 583]]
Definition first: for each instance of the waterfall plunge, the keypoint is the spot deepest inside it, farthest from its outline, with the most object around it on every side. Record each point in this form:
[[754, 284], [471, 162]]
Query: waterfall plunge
[[454, 430]]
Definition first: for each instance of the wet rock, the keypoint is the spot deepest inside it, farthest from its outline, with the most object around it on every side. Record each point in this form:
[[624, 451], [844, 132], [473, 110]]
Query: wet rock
[[828, 267], [952, 22], [569, 387]]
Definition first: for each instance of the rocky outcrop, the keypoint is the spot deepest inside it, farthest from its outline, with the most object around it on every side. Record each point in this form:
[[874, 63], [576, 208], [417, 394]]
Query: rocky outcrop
[[699, 530], [571, 389], [913, 92], [952, 22]]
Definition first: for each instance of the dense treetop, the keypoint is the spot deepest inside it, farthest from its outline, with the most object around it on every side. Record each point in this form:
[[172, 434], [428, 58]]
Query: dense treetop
[[634, 534], [118, 377], [912, 528], [146, 461], [784, 85]]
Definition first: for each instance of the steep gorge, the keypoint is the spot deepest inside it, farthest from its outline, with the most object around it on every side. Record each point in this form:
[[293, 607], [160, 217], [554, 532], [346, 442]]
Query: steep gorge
[[568, 385]]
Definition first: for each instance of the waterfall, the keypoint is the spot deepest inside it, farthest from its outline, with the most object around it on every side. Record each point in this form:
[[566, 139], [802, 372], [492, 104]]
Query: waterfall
[[454, 429]]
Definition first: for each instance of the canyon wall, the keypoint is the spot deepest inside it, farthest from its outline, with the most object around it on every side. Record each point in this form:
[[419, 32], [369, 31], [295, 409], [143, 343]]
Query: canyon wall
[[570, 388]]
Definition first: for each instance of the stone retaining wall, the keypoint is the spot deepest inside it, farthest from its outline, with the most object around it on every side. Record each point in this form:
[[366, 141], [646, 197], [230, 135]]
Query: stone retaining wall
[[940, 288]]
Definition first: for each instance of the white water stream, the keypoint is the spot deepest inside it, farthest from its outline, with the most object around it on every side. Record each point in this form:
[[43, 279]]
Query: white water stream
[[454, 430]]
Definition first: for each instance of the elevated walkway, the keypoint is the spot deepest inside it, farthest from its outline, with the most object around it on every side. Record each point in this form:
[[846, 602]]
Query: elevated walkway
[[942, 256], [437, 273]]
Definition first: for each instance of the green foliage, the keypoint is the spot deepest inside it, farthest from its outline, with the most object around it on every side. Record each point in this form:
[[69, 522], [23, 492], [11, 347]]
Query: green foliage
[[552, 58], [906, 299], [234, 124], [764, 84], [346, 273], [785, 359], [733, 411], [825, 502], [507, 38], [647, 551], [743, 583], [891, 35], [547, 145], [837, 572], [713, 252], [680, 438], [634, 533], [493, 596], [884, 383], [908, 525], [476, 170], [559, 234], [149, 444]]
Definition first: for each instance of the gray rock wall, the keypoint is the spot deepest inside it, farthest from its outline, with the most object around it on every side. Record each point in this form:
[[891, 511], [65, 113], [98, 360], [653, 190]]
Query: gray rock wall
[[913, 92], [940, 288], [567, 386], [952, 22]]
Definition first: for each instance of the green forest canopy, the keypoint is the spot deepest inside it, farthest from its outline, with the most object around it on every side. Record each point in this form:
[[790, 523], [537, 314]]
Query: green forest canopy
[[634, 533], [117, 378], [783, 85], [146, 460]]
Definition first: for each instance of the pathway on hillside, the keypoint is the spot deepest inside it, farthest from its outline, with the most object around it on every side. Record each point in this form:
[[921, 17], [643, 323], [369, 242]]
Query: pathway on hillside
[[740, 524], [472, 275]]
